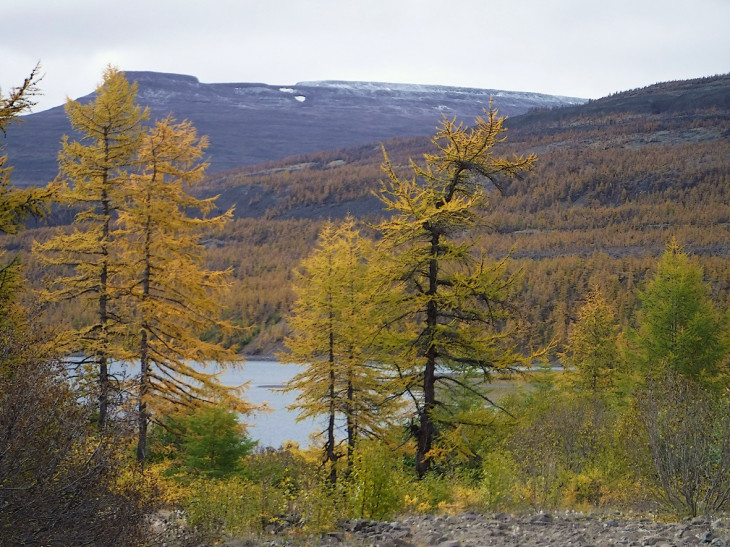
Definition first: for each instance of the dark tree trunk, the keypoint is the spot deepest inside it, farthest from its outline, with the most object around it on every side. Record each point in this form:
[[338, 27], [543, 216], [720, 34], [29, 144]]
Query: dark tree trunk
[[144, 356], [426, 429], [330, 454], [143, 414], [103, 349], [351, 422]]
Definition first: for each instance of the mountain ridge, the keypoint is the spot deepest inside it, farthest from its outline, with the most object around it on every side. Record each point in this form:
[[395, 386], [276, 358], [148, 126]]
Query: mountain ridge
[[249, 123]]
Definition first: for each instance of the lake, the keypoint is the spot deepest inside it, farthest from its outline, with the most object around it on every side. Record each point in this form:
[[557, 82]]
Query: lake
[[272, 428], [280, 425]]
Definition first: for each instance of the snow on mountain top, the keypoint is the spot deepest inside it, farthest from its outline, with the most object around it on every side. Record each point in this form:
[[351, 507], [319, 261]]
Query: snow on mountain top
[[430, 88], [366, 88]]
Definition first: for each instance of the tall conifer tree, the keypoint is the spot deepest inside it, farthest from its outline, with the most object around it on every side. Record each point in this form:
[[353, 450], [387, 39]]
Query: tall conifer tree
[[679, 327], [448, 304], [332, 326], [171, 295], [95, 169]]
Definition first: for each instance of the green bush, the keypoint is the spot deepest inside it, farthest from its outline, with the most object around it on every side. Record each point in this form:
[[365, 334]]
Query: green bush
[[378, 483], [207, 440], [225, 507]]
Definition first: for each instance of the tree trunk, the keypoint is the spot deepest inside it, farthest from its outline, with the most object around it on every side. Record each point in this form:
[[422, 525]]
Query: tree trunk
[[144, 357], [330, 454], [102, 351], [351, 424], [426, 429], [143, 415]]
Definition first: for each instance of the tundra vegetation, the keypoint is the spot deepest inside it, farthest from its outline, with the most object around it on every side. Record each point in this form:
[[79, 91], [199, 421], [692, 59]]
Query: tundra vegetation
[[407, 328]]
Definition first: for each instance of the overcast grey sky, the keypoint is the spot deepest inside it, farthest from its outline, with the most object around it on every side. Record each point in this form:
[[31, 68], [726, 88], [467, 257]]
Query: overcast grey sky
[[583, 48]]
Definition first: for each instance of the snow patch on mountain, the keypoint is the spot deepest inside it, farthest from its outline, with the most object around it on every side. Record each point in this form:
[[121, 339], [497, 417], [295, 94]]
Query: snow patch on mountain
[[449, 91]]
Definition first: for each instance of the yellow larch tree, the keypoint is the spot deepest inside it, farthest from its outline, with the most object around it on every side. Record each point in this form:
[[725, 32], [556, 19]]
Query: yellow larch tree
[[169, 293], [95, 170], [448, 306], [592, 353], [332, 328], [17, 204]]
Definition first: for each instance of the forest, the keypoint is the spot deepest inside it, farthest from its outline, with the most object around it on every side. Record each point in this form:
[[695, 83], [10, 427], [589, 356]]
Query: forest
[[510, 315]]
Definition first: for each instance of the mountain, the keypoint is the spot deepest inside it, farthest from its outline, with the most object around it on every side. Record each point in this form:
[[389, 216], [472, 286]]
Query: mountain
[[597, 153], [250, 123]]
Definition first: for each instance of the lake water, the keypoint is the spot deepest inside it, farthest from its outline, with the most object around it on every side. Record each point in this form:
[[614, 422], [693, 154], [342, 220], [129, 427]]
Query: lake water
[[275, 426], [279, 425]]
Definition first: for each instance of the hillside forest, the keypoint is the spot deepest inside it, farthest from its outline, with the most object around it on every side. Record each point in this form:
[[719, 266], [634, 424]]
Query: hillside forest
[[510, 315]]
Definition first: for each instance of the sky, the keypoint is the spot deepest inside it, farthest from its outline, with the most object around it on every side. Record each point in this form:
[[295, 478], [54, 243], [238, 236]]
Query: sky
[[578, 48]]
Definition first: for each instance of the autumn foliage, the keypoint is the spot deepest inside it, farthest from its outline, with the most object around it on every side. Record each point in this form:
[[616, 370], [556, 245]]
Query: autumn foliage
[[537, 323]]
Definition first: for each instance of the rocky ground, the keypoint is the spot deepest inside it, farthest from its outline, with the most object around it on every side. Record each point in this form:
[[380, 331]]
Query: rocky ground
[[473, 529]]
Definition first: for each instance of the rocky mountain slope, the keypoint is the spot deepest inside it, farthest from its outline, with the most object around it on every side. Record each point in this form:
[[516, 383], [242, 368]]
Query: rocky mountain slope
[[647, 146], [250, 123]]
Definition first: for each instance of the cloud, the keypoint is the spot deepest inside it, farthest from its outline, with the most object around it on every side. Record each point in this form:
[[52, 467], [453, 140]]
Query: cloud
[[568, 47]]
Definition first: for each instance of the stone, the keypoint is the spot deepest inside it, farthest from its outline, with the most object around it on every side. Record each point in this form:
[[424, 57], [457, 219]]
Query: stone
[[541, 518], [471, 529], [501, 516], [654, 540]]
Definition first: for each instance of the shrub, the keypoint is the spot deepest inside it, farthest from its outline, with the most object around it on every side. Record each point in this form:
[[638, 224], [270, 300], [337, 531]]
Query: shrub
[[225, 507], [277, 489], [559, 443], [61, 482], [688, 431], [499, 478], [378, 483], [207, 440]]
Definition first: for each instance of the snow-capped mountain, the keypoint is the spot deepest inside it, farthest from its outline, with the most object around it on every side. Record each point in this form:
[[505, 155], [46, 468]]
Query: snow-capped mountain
[[249, 123]]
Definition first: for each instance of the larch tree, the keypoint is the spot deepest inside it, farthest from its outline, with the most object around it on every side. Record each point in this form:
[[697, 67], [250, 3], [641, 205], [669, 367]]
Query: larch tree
[[95, 168], [16, 204], [592, 351], [448, 305], [170, 296], [59, 484], [331, 331], [680, 328]]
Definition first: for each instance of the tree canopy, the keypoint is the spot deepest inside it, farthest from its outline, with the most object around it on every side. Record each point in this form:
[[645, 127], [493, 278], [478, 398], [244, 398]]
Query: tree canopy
[[168, 293], [95, 170], [136, 256], [680, 329]]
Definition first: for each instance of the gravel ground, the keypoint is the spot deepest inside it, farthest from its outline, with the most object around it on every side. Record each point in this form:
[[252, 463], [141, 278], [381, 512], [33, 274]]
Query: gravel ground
[[473, 529]]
